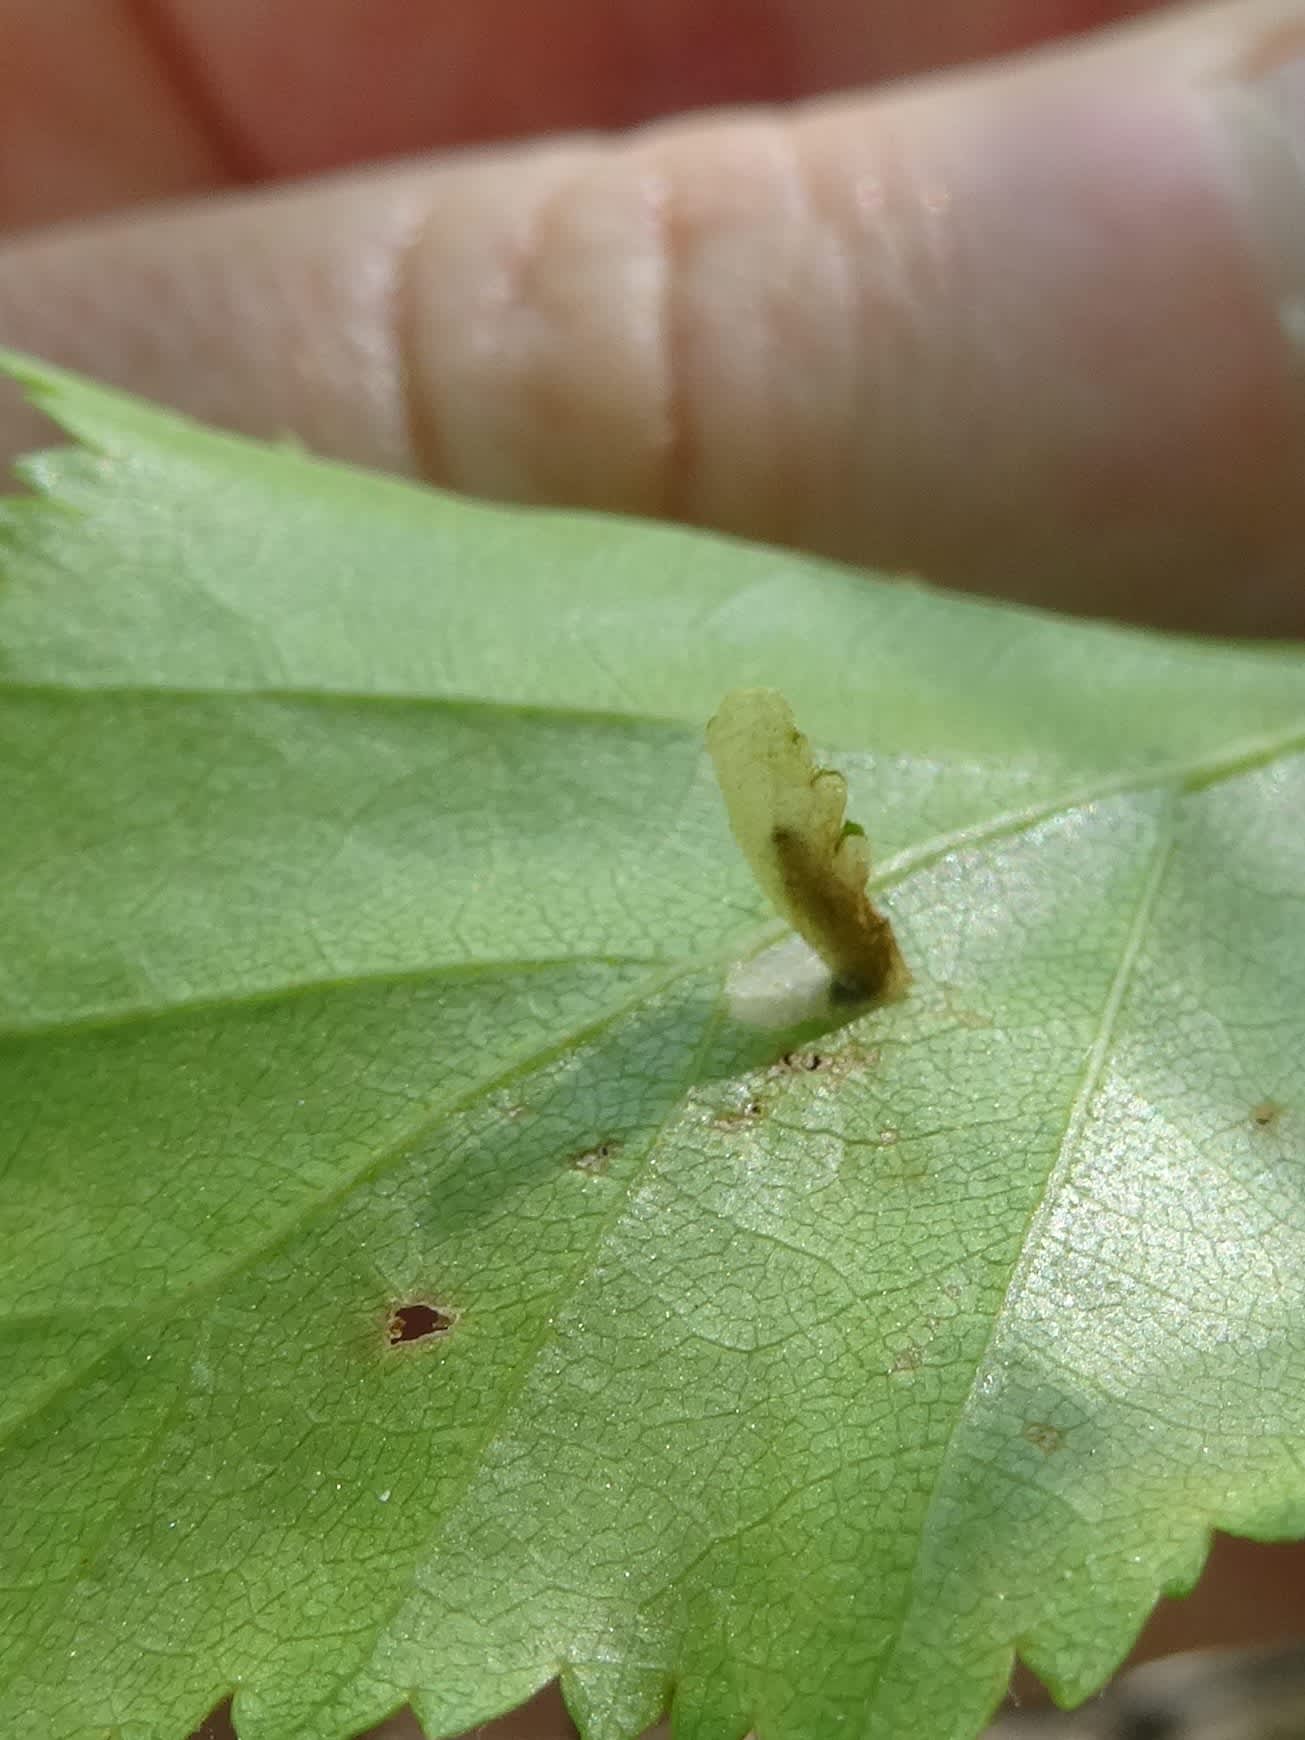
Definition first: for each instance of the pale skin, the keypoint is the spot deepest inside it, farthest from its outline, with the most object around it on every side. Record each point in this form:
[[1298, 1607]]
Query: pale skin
[[1033, 326]]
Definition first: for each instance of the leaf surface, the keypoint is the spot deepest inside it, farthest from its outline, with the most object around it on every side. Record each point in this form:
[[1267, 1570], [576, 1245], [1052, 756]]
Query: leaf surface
[[368, 915]]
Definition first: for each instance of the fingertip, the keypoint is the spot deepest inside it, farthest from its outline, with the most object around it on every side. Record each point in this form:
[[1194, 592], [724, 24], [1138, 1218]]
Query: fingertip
[[1010, 330], [1090, 394]]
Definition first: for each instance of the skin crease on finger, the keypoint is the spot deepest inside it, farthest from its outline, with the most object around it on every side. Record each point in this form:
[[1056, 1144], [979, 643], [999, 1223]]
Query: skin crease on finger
[[1010, 330]]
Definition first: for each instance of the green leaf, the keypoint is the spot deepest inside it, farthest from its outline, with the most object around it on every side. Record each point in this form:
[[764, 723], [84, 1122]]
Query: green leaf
[[369, 918]]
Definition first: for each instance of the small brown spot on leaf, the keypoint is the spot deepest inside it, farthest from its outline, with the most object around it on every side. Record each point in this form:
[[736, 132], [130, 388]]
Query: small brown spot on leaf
[[417, 1321], [1266, 1114], [888, 1136], [594, 1160], [909, 1175], [835, 1065], [218, 1726], [909, 1359], [1043, 1437], [740, 1117]]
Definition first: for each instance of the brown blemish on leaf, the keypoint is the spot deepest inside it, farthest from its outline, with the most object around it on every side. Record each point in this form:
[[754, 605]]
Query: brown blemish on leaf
[[418, 1320], [960, 1013], [834, 1065], [218, 1725], [888, 1137], [1043, 1437], [909, 1359], [595, 1160], [899, 1176], [1266, 1114], [746, 1114], [763, 1086]]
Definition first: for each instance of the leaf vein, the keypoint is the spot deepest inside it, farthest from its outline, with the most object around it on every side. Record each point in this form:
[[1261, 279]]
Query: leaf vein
[[1076, 1121]]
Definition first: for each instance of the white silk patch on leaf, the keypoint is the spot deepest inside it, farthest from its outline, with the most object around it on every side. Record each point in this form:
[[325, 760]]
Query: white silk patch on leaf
[[783, 987]]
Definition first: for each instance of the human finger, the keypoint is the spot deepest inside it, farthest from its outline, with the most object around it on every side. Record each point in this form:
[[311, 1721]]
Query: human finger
[[1036, 329]]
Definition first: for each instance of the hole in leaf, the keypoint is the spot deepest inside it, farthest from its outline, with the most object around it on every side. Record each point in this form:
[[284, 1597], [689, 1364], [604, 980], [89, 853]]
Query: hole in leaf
[[218, 1725], [594, 1160], [417, 1321]]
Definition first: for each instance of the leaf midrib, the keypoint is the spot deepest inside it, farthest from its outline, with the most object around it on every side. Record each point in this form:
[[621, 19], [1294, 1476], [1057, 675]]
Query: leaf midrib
[[1240, 755], [1244, 756], [308, 696], [273, 996]]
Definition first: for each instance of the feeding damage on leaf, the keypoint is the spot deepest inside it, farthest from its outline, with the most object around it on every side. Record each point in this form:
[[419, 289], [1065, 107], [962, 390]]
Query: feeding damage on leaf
[[788, 818], [595, 1160], [418, 1321], [837, 1064]]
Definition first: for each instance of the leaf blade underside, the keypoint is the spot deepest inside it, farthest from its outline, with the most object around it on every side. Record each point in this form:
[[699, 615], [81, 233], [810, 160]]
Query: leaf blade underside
[[368, 908]]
